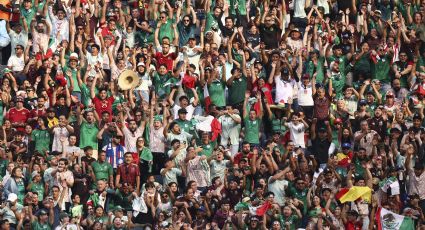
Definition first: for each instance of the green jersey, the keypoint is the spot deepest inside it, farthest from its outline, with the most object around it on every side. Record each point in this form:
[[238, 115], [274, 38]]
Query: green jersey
[[41, 139], [166, 30], [237, 89], [217, 93], [102, 170], [252, 130], [238, 7], [300, 195], [381, 69], [75, 86], [35, 225], [88, 135]]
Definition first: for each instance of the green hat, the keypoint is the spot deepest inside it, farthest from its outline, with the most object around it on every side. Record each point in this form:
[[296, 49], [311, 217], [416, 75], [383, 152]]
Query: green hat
[[157, 118], [118, 208]]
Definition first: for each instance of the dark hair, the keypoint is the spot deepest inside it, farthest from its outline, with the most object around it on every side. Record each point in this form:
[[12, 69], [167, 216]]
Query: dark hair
[[14, 170]]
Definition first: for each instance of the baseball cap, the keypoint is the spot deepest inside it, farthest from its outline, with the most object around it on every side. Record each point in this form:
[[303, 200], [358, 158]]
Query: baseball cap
[[362, 102], [346, 146], [73, 56], [12, 197]]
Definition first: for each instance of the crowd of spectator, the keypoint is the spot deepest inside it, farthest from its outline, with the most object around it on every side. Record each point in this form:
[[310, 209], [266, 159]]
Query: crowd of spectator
[[246, 114]]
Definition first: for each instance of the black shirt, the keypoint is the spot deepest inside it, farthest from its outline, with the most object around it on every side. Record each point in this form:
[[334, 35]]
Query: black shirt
[[320, 150], [270, 36]]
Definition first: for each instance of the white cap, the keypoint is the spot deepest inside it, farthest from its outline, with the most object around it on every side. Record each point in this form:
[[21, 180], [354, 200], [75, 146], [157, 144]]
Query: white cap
[[12, 197], [73, 56]]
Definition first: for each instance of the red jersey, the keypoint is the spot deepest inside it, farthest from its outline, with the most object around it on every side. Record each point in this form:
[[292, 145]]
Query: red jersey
[[105, 31], [166, 59], [103, 105], [238, 157], [37, 112], [20, 116]]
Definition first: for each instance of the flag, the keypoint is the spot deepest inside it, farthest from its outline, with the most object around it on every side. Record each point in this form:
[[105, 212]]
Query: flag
[[390, 183], [207, 98], [354, 193], [387, 220], [260, 210]]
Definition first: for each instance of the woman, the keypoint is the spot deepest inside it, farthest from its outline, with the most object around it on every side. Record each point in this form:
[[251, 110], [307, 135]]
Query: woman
[[335, 215], [15, 184], [315, 210], [8, 132], [173, 191], [146, 159]]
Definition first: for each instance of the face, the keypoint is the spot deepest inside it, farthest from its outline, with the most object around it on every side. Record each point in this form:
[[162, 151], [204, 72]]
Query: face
[[403, 57], [229, 23], [163, 17], [102, 156], [61, 166], [128, 158], [18, 173]]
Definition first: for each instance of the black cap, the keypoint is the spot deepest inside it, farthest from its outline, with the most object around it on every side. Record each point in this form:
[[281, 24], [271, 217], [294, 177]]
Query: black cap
[[363, 102], [417, 116], [180, 111]]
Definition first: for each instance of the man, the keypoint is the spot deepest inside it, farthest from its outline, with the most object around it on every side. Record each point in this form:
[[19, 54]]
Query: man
[[70, 72], [115, 151], [269, 32], [87, 159], [63, 178], [132, 133], [321, 138], [102, 102], [70, 151], [173, 131], [184, 103], [88, 130], [244, 153], [402, 68], [298, 190], [39, 111], [128, 173], [417, 177], [230, 124], [365, 136], [102, 170], [100, 196], [165, 57], [45, 219], [237, 83], [252, 121], [278, 185], [65, 222], [16, 62], [60, 24], [18, 115], [11, 210], [40, 36], [61, 133]]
